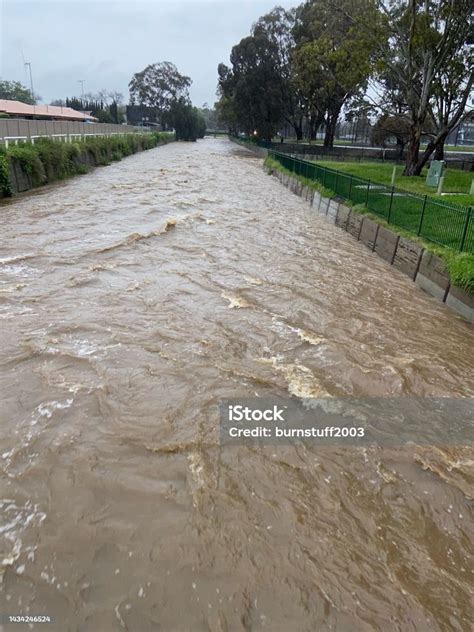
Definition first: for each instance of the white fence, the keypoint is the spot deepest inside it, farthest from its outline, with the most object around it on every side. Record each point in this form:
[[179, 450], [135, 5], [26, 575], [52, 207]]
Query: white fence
[[21, 130]]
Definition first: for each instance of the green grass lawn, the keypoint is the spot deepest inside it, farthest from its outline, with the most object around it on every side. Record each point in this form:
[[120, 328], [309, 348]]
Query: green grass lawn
[[455, 181]]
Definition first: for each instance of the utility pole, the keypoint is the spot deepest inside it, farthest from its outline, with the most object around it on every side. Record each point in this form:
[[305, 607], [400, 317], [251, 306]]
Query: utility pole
[[28, 63], [81, 81]]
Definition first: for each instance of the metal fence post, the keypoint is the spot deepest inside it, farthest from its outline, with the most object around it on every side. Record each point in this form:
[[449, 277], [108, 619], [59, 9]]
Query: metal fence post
[[422, 215], [335, 186], [367, 197], [390, 207], [350, 187], [466, 226]]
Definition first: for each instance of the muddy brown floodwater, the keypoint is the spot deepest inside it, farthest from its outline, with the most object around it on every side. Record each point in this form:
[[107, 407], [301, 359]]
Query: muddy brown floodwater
[[132, 301]]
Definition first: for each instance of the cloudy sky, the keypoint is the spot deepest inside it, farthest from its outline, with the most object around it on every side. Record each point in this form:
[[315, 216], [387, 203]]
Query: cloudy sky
[[104, 42]]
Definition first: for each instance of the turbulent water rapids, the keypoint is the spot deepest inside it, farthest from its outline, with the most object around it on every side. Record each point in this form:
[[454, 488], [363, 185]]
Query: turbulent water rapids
[[132, 301]]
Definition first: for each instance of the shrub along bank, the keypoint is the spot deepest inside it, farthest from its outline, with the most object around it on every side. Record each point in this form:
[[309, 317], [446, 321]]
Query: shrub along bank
[[460, 265], [26, 166]]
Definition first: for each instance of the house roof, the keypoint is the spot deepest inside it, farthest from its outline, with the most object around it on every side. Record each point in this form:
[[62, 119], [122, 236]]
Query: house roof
[[17, 108]]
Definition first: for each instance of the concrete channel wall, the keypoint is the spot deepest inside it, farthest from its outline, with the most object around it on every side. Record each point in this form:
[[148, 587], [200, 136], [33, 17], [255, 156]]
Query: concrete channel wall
[[428, 271], [259, 151]]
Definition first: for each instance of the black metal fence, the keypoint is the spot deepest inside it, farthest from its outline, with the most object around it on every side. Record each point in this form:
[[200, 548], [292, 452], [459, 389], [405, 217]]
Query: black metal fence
[[443, 223]]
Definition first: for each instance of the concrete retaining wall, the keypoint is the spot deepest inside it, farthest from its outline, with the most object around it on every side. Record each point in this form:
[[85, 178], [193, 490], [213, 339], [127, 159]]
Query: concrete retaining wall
[[408, 257], [368, 232], [324, 205], [259, 151], [433, 276], [343, 215], [316, 200], [354, 224], [333, 210], [427, 270], [20, 180], [461, 302], [386, 244]]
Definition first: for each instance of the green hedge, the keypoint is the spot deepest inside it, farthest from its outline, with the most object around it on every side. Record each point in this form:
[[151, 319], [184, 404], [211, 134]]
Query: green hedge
[[48, 160], [5, 185]]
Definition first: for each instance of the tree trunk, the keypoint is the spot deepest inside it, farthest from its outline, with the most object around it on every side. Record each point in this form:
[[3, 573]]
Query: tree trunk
[[413, 152], [436, 146], [314, 124], [400, 147], [330, 129], [439, 150], [298, 127], [425, 156], [295, 124]]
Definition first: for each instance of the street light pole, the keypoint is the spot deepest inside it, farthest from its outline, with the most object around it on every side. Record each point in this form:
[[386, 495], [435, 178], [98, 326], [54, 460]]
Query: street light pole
[[81, 81], [28, 63]]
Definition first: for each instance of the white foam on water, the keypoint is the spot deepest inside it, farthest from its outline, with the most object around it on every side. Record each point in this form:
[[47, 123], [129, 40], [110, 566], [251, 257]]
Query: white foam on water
[[15, 520], [235, 302], [46, 409]]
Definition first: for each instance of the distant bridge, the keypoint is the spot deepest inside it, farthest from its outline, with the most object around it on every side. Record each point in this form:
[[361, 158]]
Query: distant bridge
[[216, 132]]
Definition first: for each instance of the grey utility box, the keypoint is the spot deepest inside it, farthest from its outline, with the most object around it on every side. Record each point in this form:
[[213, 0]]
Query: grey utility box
[[435, 173]]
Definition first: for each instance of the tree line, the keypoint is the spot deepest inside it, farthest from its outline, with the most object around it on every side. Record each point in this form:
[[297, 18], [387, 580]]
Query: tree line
[[163, 87], [105, 106], [408, 63], [16, 91]]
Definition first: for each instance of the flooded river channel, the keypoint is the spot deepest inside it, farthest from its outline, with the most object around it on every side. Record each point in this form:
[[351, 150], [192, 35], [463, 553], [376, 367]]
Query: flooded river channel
[[132, 301]]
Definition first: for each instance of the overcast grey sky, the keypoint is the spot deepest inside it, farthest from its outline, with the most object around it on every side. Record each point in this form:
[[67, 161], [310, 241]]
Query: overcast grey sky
[[104, 42]]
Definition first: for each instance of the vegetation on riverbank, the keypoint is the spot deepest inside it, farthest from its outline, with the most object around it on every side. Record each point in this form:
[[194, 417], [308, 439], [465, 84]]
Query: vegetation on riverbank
[[5, 185], [460, 265], [49, 160]]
